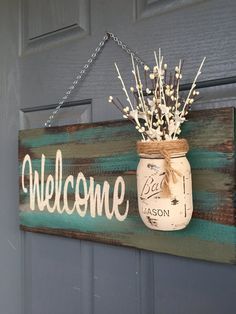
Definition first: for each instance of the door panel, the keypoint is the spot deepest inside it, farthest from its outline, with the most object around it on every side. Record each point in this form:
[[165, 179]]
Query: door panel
[[61, 275], [190, 286], [52, 274], [47, 22], [122, 267], [72, 113], [114, 279], [49, 16], [124, 282]]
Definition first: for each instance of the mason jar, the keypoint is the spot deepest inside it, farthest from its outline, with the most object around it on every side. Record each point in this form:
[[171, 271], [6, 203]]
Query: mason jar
[[164, 185]]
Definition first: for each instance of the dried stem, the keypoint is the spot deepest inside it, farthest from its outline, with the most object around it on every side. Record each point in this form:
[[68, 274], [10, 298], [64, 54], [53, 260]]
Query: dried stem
[[123, 86], [177, 88], [193, 85]]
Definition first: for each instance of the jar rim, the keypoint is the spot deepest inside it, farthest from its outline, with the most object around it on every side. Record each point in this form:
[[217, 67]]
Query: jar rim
[[160, 156], [163, 147]]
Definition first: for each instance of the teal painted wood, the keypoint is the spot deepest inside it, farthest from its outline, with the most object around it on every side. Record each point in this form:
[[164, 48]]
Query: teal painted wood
[[107, 150]]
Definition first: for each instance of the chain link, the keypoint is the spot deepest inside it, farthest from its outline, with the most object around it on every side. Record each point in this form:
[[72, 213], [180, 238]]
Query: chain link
[[126, 48], [87, 66]]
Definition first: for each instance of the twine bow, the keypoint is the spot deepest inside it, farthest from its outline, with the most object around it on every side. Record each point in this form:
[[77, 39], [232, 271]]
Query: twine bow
[[165, 149], [170, 173]]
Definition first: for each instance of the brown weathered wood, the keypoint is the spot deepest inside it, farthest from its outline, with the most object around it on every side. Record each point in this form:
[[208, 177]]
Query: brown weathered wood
[[107, 150]]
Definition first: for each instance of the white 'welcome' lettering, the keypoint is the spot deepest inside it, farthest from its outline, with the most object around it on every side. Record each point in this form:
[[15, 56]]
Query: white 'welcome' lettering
[[46, 194]]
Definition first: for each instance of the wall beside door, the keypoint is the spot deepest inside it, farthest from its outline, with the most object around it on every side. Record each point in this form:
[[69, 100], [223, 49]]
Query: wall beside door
[[43, 46], [10, 248]]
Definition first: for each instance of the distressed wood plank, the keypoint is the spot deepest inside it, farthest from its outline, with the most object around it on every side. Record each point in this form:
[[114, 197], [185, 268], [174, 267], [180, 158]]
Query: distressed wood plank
[[107, 150]]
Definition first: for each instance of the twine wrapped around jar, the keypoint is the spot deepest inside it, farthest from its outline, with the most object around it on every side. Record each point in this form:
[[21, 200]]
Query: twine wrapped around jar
[[164, 149]]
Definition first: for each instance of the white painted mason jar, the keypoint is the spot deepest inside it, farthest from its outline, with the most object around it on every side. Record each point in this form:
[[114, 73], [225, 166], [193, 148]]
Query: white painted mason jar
[[163, 165]]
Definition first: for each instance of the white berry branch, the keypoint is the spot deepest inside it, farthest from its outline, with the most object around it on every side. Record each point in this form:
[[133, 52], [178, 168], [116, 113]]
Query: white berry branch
[[157, 108]]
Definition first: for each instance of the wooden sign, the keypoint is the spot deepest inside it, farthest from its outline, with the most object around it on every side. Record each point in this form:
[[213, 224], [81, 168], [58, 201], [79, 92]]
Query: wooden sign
[[80, 181]]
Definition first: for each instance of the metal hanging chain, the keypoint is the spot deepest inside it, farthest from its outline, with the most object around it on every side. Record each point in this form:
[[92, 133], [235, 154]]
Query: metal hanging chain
[[87, 66]]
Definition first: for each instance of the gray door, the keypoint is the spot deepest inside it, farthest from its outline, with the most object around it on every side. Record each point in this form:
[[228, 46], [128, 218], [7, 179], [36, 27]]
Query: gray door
[[43, 46]]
